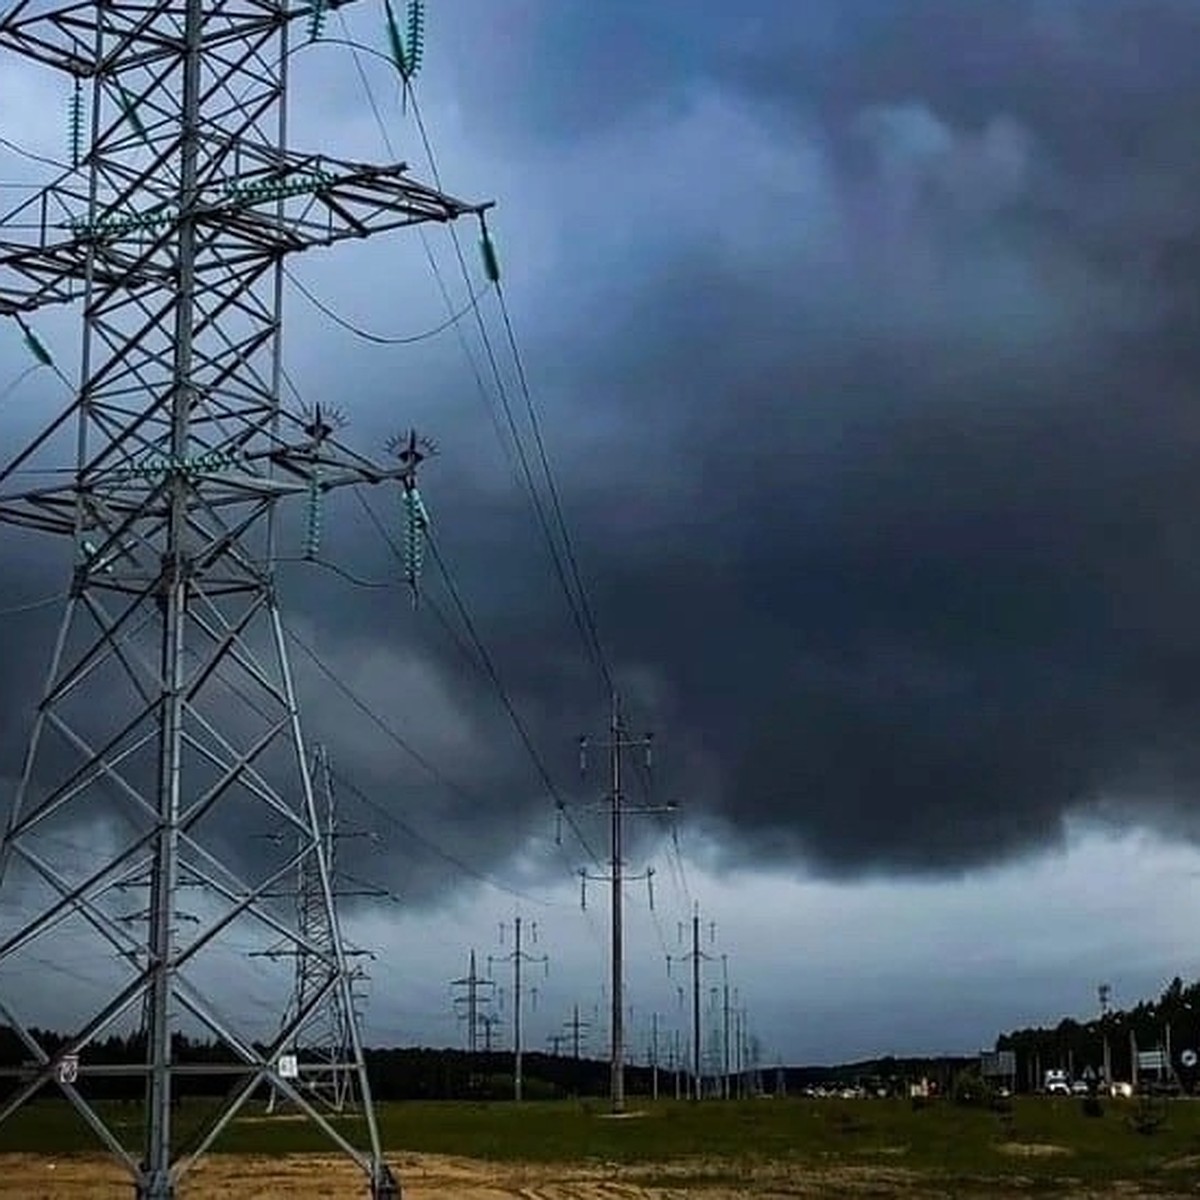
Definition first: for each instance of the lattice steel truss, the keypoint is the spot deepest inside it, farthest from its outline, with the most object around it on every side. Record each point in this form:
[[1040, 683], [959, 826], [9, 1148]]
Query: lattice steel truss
[[169, 708]]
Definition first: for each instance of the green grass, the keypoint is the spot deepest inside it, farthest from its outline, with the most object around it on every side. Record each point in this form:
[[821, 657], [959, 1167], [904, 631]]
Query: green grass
[[960, 1146]]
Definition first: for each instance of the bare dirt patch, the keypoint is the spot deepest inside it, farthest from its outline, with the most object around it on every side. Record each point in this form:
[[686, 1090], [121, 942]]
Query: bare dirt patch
[[436, 1177], [1032, 1149]]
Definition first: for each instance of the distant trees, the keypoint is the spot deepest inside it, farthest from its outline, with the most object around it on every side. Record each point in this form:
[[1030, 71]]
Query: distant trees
[[408, 1073], [1170, 1023]]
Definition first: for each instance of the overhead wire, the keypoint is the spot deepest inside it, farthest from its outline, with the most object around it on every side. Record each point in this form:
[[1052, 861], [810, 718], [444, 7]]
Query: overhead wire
[[380, 339], [579, 608], [31, 605], [388, 815], [591, 642], [482, 659]]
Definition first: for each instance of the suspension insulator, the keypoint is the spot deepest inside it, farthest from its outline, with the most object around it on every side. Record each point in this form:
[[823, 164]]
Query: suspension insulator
[[416, 35], [75, 124], [316, 20], [312, 538], [491, 264]]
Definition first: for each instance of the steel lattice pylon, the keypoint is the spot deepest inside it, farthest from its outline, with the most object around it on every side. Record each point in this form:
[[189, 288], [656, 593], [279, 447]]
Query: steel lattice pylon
[[169, 706]]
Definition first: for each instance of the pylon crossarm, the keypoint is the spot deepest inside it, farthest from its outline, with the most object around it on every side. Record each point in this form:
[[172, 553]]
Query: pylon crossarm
[[335, 202], [65, 38]]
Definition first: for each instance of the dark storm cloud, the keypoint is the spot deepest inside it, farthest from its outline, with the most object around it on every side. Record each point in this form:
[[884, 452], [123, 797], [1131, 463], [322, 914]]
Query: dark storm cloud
[[902, 523], [867, 364]]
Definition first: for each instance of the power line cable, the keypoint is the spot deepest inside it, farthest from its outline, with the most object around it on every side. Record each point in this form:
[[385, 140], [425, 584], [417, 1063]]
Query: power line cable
[[482, 660], [380, 339], [433, 847], [379, 722], [505, 699]]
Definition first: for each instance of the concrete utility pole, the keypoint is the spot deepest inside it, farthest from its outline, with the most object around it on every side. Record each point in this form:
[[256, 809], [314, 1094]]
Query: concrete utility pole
[[477, 992], [725, 1035], [618, 741], [696, 957], [1105, 992], [654, 1056], [518, 957]]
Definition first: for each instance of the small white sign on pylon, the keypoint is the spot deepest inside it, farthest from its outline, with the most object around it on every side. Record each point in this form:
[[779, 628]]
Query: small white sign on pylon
[[289, 1067], [68, 1068]]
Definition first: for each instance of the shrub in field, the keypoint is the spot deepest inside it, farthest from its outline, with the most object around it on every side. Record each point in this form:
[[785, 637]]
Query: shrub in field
[[1149, 1116], [971, 1090]]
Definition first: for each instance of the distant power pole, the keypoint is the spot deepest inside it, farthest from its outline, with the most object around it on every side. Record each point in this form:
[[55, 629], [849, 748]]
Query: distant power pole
[[618, 741], [725, 1035], [517, 957], [476, 990], [654, 1056], [576, 1027], [488, 1021], [556, 1040], [697, 956], [1105, 992]]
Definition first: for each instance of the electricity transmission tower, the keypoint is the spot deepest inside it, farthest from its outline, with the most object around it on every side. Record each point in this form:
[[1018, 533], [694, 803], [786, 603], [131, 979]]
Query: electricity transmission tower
[[618, 741], [696, 956], [319, 1053], [518, 957], [578, 1029], [169, 710], [478, 990]]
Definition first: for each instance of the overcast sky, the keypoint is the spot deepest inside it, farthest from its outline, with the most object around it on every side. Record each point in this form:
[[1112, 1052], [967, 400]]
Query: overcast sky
[[863, 338]]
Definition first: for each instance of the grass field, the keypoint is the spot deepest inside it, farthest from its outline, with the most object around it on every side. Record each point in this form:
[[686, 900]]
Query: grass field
[[768, 1147]]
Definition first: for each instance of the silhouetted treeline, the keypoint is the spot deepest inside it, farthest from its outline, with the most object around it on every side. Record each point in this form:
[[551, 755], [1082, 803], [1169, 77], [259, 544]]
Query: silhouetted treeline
[[396, 1074], [1171, 1024]]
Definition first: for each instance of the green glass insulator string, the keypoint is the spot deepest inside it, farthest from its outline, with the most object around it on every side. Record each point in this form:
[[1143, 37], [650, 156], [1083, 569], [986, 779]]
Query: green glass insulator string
[[75, 124], [312, 534], [316, 20]]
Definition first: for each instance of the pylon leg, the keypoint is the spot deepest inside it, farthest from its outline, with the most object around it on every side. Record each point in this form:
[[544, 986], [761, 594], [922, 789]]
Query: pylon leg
[[384, 1185]]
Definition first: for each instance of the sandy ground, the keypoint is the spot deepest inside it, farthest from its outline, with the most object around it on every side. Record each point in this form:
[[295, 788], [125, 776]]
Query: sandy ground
[[426, 1176]]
